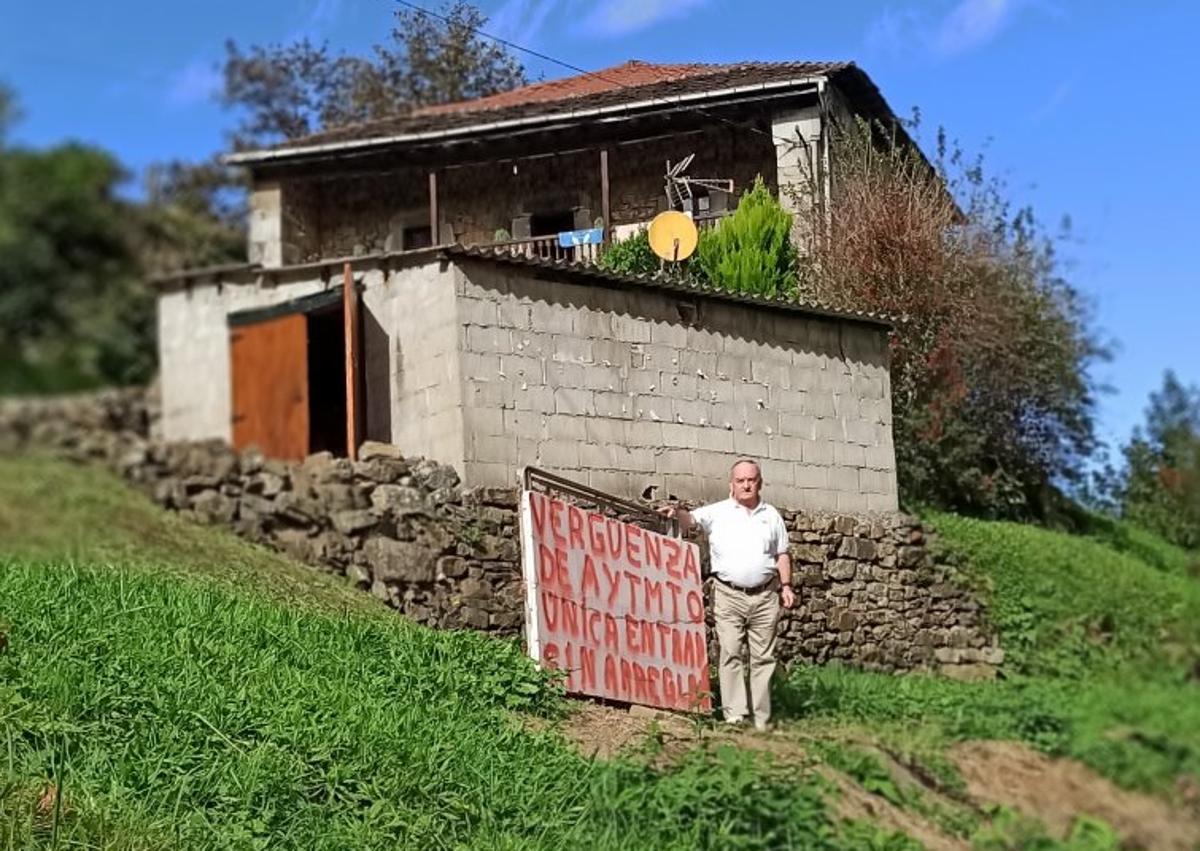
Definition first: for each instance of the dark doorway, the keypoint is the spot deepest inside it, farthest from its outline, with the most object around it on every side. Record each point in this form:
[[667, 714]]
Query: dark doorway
[[550, 224], [327, 381]]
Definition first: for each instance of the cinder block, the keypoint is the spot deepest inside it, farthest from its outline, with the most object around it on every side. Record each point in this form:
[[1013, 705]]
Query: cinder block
[[849, 455], [704, 341], [643, 433], [490, 340], [559, 374], [611, 352], [635, 460], [715, 439], [499, 450], [606, 378], [551, 318], [520, 368], [844, 479], [595, 456], [880, 457], [776, 473], [526, 424], [772, 373], [679, 385], [559, 453], [613, 405], [663, 358], [785, 448], [513, 314], [846, 406], [603, 430], [574, 402], [877, 481], [691, 413], [817, 499], [882, 502], [811, 476], [680, 436], [476, 312], [751, 395], [534, 399], [819, 404], [820, 452], [571, 349], [572, 428], [864, 433], [852, 503], [630, 329], [489, 474], [753, 445], [829, 429], [489, 421], [727, 413], [734, 368], [611, 481], [595, 324], [674, 461], [669, 334]]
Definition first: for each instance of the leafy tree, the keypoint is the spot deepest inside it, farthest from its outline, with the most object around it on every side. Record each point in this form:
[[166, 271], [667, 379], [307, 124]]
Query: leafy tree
[[1161, 488], [751, 251], [70, 307], [993, 404], [290, 91], [631, 256]]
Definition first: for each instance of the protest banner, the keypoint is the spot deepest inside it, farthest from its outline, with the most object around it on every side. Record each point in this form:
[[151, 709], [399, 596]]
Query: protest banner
[[617, 608]]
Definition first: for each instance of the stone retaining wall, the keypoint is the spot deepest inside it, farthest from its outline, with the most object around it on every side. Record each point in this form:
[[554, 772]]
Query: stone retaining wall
[[871, 593]]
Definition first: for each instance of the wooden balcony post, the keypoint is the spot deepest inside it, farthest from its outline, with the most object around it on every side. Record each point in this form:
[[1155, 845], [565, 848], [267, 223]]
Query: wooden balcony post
[[433, 208], [604, 194]]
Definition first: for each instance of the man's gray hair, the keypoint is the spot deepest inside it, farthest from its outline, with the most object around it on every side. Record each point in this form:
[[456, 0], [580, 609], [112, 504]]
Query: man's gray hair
[[757, 467]]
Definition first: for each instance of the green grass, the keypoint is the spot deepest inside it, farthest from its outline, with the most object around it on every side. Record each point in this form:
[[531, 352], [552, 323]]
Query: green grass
[[181, 689], [1102, 639]]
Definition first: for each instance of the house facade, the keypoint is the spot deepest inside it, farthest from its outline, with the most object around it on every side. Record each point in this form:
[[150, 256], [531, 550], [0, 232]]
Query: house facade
[[408, 282], [586, 152]]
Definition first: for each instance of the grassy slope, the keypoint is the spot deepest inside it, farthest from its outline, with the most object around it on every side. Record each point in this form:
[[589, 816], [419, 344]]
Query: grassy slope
[[184, 689], [1103, 640]]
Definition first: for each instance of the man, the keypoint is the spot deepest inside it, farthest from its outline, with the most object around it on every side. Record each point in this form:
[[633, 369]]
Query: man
[[748, 545]]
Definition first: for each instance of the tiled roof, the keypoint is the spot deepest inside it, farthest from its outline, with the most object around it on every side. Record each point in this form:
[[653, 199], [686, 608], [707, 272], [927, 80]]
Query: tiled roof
[[654, 86], [628, 75]]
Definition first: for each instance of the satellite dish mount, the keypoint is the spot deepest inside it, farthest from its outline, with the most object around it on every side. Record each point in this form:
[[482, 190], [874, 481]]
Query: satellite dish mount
[[679, 186]]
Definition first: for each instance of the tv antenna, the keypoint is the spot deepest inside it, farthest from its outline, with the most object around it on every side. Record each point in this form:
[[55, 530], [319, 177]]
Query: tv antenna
[[679, 185]]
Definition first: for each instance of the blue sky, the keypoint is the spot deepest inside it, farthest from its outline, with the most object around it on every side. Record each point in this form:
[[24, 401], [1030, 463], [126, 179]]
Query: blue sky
[[1088, 109]]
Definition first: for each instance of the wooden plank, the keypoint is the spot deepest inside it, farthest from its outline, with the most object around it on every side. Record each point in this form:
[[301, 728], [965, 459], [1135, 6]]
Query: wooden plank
[[269, 366], [604, 194], [433, 208], [350, 314]]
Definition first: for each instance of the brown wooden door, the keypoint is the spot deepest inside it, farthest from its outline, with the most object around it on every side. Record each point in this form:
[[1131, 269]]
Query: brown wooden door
[[269, 360]]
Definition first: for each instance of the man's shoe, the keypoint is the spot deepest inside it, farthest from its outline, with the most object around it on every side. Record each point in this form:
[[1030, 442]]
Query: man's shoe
[[736, 722]]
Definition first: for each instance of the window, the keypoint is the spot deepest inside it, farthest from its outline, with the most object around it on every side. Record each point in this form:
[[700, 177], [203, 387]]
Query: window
[[549, 224], [417, 237]]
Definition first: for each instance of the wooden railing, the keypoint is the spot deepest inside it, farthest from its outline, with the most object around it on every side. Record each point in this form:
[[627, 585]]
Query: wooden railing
[[547, 248]]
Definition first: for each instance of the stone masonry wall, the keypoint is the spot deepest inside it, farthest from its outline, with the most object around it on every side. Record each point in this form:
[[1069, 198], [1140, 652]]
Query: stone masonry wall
[[871, 592], [623, 389]]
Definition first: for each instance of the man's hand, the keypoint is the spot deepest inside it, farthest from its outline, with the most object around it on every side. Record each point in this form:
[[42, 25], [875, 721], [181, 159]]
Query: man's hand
[[679, 515], [787, 596]]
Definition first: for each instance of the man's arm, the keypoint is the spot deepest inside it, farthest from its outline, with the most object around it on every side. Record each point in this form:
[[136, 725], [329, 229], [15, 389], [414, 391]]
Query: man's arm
[[783, 563], [680, 515]]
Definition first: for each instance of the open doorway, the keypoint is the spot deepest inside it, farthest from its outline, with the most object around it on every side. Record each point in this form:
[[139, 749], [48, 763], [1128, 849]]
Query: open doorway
[[327, 381]]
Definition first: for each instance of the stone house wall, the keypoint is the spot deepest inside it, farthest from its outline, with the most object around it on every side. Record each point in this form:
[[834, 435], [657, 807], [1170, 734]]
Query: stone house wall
[[352, 215]]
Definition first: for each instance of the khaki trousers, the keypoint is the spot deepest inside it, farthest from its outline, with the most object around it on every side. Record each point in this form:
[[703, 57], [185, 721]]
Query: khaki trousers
[[740, 616]]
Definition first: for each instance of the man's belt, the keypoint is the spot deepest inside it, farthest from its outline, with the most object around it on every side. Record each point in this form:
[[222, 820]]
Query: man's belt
[[748, 589]]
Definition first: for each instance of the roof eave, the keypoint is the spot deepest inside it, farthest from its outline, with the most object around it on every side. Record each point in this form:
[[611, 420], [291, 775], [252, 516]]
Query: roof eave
[[645, 106]]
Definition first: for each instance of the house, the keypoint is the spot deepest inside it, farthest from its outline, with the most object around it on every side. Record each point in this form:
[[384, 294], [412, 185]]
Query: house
[[407, 283]]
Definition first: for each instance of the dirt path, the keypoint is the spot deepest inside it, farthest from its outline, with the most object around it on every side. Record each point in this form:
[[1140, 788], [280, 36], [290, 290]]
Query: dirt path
[[1056, 791], [1053, 791]]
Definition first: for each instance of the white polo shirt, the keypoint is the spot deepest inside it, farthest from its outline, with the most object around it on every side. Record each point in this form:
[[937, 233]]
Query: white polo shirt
[[743, 543]]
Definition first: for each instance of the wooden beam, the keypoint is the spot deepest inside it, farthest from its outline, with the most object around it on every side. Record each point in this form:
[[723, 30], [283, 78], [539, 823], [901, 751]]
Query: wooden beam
[[433, 208], [350, 318], [604, 194]]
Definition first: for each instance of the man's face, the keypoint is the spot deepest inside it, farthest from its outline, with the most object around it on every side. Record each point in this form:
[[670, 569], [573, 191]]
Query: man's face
[[745, 483]]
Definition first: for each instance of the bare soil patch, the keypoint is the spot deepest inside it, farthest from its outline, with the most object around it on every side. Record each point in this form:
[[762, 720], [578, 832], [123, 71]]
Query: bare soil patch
[[1057, 791]]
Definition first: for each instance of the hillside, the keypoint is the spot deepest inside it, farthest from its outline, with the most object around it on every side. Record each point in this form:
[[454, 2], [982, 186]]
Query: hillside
[[166, 685]]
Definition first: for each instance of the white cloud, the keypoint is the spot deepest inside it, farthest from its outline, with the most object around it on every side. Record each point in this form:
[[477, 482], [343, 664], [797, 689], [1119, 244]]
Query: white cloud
[[967, 26], [621, 17], [521, 21], [199, 80], [973, 23]]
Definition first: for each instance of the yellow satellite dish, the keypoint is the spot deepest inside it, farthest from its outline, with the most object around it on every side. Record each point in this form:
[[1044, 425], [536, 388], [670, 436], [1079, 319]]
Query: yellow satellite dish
[[673, 236]]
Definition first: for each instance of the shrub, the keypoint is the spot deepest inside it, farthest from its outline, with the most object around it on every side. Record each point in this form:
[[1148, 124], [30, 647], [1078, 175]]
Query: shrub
[[751, 251]]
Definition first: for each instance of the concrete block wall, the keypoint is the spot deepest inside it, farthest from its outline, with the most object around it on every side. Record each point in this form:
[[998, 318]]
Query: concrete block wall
[[193, 349], [623, 389], [413, 378]]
